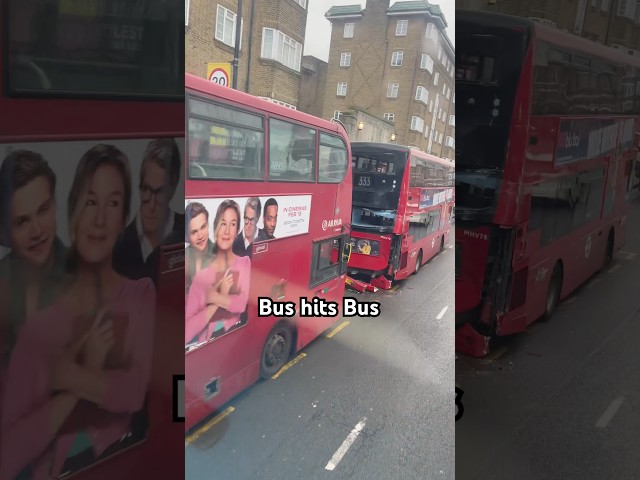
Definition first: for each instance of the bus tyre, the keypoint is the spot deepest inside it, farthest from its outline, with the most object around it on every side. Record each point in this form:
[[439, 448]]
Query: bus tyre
[[553, 295], [418, 263], [442, 243], [608, 254], [275, 351]]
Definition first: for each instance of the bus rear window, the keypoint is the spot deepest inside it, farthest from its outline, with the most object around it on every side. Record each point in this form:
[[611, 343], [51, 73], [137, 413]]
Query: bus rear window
[[95, 48], [224, 143]]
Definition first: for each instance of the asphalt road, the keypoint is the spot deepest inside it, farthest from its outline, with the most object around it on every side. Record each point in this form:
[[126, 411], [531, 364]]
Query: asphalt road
[[391, 375], [561, 401]]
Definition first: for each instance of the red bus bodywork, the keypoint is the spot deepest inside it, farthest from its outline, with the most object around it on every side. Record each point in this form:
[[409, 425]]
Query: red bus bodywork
[[219, 369], [95, 115], [542, 187], [419, 217]]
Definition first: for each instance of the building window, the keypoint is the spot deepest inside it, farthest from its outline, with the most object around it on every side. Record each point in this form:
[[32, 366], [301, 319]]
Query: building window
[[448, 142], [348, 30], [426, 63], [444, 89], [345, 59], [390, 117], [401, 28], [432, 32], [281, 48], [430, 107], [392, 90], [226, 27], [436, 77], [422, 94], [426, 132], [417, 124], [342, 89], [336, 114], [396, 59], [302, 3], [186, 12]]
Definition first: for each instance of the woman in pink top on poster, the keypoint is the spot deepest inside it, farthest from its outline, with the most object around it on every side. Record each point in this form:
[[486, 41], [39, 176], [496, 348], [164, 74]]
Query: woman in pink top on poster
[[219, 293], [81, 368]]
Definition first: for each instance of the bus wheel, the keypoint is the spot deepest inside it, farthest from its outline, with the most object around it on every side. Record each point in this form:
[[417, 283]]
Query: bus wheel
[[608, 254], [553, 295], [418, 263], [275, 351], [442, 243]]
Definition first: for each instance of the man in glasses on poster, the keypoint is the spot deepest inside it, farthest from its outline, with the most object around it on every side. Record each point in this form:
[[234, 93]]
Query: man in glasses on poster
[[136, 254]]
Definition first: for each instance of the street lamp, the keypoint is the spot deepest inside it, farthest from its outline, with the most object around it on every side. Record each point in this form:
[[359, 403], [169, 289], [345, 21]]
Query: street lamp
[[360, 125], [393, 137]]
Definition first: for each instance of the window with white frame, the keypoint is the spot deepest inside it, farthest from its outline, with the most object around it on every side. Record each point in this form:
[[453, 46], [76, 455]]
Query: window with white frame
[[444, 89], [226, 27], [426, 63], [417, 124], [432, 32], [345, 59], [186, 12], [348, 30], [396, 59], [390, 117], [282, 48], [440, 55], [336, 114], [431, 107], [426, 132], [302, 3], [392, 90], [436, 77], [422, 94], [448, 141], [448, 93], [342, 89], [401, 28], [441, 137]]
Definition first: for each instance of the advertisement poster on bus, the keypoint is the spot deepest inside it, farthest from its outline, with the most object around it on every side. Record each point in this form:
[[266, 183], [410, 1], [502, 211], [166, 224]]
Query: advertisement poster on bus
[[223, 235], [430, 197], [583, 139], [81, 227]]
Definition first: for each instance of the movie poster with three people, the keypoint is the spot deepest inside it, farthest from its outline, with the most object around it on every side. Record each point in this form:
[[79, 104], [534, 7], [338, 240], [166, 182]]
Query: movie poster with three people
[[81, 229]]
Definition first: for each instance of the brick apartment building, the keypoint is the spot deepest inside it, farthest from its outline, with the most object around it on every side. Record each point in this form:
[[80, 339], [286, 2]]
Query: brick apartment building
[[313, 85], [272, 39], [394, 62], [610, 22]]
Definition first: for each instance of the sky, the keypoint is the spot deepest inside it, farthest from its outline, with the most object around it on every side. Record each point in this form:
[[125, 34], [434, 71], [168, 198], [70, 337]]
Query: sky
[[318, 36]]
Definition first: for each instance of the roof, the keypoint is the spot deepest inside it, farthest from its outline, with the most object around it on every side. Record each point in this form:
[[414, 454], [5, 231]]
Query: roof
[[338, 11], [417, 6]]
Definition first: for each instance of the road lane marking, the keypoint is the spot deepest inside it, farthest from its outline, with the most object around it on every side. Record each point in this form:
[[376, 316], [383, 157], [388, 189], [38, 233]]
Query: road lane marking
[[208, 426], [337, 329], [610, 412], [442, 312], [627, 255], [614, 268], [289, 365], [492, 357], [333, 463]]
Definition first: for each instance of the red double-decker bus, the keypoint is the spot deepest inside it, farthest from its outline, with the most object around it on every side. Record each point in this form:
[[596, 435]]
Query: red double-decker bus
[[546, 140], [402, 206], [87, 86], [268, 199]]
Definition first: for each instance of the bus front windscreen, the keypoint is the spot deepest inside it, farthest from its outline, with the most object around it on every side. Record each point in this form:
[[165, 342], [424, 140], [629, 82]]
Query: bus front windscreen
[[489, 62], [377, 177]]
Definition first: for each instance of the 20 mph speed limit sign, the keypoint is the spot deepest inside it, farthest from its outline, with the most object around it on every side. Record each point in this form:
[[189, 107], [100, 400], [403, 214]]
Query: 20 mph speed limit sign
[[219, 76]]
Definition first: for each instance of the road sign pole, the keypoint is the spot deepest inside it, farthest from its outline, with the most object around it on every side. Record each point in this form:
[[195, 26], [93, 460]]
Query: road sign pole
[[236, 50]]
